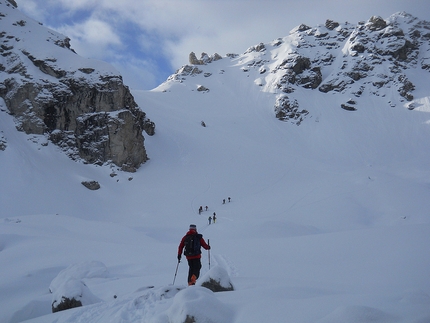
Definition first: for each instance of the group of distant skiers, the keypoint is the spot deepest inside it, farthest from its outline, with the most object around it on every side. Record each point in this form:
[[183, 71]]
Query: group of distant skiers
[[213, 217]]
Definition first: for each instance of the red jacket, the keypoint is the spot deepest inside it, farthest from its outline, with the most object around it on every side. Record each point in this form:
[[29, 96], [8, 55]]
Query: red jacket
[[182, 245]]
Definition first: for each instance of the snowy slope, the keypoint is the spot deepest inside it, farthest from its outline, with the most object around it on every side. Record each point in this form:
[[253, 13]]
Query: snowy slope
[[328, 220]]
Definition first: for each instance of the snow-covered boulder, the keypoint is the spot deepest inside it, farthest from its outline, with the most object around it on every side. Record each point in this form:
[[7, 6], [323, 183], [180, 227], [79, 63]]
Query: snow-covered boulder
[[68, 288], [72, 293], [217, 280]]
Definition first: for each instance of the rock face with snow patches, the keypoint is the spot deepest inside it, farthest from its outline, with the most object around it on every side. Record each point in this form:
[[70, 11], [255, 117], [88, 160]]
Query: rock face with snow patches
[[333, 58], [81, 105]]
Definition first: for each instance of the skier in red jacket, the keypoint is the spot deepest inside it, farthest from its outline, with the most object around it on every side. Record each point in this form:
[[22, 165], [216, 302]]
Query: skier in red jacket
[[192, 242]]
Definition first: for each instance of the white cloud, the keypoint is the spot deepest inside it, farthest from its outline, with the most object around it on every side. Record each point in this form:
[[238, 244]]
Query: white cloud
[[138, 73], [30, 6], [77, 4], [91, 38]]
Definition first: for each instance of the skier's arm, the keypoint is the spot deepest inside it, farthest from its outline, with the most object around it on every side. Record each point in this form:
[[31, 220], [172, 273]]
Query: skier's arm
[[204, 244], [181, 246]]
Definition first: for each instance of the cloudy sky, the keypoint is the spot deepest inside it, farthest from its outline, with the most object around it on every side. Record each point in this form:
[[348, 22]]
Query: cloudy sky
[[148, 40]]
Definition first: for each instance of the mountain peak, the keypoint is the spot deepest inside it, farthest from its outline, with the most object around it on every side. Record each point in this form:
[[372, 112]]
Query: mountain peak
[[349, 60]]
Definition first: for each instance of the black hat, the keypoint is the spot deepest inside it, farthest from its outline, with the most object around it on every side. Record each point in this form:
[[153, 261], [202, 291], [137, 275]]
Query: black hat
[[193, 227]]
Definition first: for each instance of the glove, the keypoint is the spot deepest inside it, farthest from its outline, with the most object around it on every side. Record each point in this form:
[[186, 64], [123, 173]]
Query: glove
[[179, 257], [209, 248]]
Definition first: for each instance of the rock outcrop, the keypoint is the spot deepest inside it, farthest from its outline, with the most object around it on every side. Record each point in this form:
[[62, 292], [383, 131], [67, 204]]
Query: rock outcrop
[[204, 59], [286, 109], [79, 104], [91, 185]]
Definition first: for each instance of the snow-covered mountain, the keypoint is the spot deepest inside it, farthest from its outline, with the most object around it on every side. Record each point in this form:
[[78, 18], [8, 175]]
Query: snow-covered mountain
[[347, 60], [320, 139]]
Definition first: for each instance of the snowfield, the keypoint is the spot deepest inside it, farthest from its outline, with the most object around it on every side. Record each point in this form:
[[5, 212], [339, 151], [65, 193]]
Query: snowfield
[[328, 221]]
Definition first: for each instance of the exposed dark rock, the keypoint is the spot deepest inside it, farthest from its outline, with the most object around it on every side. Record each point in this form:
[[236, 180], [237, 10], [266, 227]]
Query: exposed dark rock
[[330, 24], [425, 63], [311, 79], [184, 71], [300, 64], [257, 48], [91, 185], [13, 3], [65, 304], [302, 28], [87, 111], [204, 59], [193, 59], [87, 70], [215, 286], [232, 55], [3, 142], [202, 88], [299, 71], [348, 107], [337, 84], [117, 135], [402, 52], [190, 319], [376, 23], [406, 87], [358, 47], [287, 110]]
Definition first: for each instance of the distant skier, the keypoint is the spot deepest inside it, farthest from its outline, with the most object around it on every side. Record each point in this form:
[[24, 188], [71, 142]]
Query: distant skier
[[214, 217], [223, 201], [206, 207], [210, 220], [200, 209], [192, 242], [229, 199]]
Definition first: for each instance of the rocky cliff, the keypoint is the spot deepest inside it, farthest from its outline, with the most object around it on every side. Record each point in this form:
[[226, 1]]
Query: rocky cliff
[[81, 105], [333, 58]]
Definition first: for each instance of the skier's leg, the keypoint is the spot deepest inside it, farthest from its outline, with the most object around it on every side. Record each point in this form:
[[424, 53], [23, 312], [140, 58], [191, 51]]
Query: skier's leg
[[190, 270], [198, 266], [194, 272]]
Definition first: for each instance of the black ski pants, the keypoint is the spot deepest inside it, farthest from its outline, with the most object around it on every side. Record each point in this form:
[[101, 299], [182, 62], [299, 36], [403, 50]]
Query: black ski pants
[[194, 268]]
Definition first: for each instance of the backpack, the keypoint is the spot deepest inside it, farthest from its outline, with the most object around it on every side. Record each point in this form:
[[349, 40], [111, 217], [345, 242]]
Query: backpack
[[192, 244]]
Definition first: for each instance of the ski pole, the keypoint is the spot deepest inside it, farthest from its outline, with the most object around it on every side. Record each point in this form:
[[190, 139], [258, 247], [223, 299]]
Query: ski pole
[[209, 255], [174, 278]]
